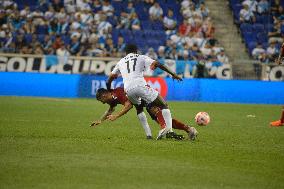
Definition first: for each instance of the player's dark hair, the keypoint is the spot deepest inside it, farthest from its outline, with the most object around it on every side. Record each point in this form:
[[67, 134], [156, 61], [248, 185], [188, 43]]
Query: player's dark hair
[[100, 92], [131, 48]]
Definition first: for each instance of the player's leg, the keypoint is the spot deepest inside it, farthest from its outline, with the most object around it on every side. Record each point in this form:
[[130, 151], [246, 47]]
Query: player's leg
[[143, 120], [280, 122], [149, 95], [156, 114], [165, 114], [191, 131]]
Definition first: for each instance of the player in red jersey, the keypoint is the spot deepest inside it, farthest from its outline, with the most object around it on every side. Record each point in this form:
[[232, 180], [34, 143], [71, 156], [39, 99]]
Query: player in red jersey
[[118, 96], [280, 122]]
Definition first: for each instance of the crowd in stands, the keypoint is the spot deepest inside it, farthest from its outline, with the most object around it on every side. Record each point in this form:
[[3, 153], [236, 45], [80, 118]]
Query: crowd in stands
[[101, 28], [261, 25]]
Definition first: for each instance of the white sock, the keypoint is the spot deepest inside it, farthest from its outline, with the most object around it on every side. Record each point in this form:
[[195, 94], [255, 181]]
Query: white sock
[[168, 119], [143, 120]]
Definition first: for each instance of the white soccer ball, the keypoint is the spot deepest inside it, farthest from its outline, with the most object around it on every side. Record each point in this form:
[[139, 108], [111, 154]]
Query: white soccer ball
[[202, 118]]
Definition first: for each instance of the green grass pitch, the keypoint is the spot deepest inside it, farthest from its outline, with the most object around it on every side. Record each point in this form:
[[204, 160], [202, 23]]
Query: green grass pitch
[[47, 143]]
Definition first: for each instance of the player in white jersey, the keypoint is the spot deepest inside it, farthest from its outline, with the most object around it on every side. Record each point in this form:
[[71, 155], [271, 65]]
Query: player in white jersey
[[131, 68]]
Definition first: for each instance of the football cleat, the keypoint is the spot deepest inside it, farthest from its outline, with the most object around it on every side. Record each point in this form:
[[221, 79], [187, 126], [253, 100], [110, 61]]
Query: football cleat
[[174, 135], [277, 123], [149, 137], [162, 133], [192, 134]]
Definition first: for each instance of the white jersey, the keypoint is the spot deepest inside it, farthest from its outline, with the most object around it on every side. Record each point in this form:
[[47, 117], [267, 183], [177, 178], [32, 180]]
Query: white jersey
[[132, 68]]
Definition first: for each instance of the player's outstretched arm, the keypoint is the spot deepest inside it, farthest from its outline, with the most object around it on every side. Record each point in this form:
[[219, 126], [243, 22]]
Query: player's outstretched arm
[[166, 69], [126, 107], [110, 79], [104, 116]]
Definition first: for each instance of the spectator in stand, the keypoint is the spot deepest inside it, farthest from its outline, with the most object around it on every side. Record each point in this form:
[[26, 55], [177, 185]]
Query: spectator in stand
[[50, 13], [257, 51], [272, 51], [26, 49], [184, 28], [57, 5], [47, 43], [262, 7], [3, 17], [151, 53], [15, 21], [203, 10], [208, 28], [206, 50], [62, 26], [104, 26], [96, 6], [20, 41], [29, 27], [57, 42], [276, 8], [61, 14], [86, 17], [83, 4], [75, 45], [246, 15], [95, 50], [130, 8], [120, 46], [124, 22], [52, 27], [109, 48], [221, 57], [70, 6], [169, 21], [25, 12], [189, 12], [107, 8], [62, 51], [156, 12], [275, 33], [252, 4], [134, 22], [38, 49], [161, 52]]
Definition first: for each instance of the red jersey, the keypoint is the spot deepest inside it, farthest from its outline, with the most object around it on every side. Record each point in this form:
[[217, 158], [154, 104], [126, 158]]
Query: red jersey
[[119, 96]]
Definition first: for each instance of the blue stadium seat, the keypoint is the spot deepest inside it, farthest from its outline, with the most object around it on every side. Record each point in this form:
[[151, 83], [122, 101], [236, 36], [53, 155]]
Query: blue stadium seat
[[249, 37], [28, 38], [158, 25], [245, 27], [42, 29], [146, 25], [251, 46], [258, 28], [262, 37], [40, 38]]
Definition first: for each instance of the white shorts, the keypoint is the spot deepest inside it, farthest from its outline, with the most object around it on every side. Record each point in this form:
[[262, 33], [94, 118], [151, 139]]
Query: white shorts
[[145, 93]]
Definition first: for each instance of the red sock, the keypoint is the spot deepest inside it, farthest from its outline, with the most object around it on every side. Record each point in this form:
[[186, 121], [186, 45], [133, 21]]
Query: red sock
[[160, 119], [179, 125], [282, 117]]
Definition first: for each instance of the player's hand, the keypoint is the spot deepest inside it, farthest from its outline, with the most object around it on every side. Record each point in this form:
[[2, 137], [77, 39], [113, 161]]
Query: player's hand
[[95, 123], [112, 117], [175, 76]]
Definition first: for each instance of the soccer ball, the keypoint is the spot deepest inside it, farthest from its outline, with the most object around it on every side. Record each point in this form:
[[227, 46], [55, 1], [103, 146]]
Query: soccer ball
[[202, 118]]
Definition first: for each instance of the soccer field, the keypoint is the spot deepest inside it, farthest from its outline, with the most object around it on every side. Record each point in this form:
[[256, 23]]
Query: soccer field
[[47, 143]]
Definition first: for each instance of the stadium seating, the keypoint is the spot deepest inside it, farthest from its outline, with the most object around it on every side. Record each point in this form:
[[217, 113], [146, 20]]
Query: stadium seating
[[256, 32], [152, 33]]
